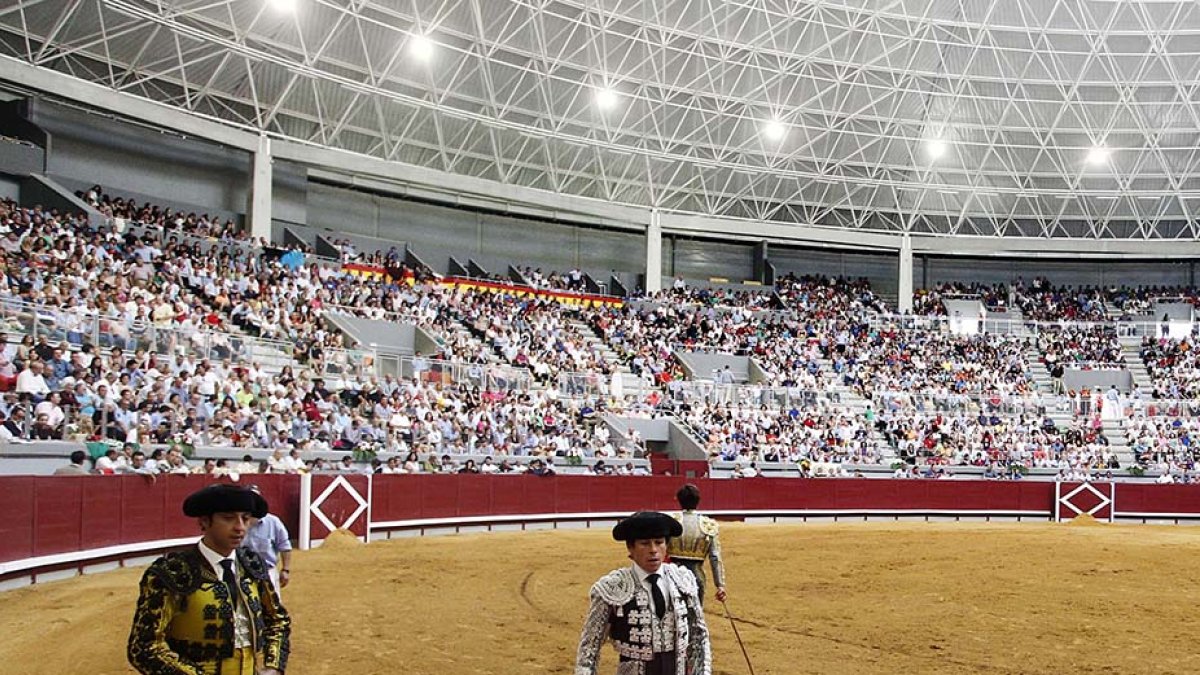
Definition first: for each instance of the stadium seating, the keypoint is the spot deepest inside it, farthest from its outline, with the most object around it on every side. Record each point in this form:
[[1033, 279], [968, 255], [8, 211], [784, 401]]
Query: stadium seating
[[173, 328]]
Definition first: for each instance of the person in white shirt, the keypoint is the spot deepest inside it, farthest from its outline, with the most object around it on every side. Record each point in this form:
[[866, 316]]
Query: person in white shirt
[[392, 467], [51, 409], [488, 466], [277, 462], [108, 463], [293, 463], [31, 382]]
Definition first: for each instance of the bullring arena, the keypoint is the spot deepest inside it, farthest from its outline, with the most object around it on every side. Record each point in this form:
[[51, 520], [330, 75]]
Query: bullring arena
[[881, 589], [907, 289]]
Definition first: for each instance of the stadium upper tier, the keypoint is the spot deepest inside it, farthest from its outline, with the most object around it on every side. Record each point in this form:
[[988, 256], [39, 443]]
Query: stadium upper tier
[[199, 335], [985, 118]]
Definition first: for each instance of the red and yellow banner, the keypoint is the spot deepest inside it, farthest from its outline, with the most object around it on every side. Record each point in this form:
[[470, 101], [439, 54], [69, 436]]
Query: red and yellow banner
[[565, 297], [375, 273], [571, 298]]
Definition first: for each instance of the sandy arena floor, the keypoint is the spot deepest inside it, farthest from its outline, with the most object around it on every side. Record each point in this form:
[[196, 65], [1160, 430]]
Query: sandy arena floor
[[846, 598]]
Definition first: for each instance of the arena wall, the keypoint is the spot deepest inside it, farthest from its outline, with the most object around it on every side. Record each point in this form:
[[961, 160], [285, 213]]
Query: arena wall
[[931, 271], [62, 526]]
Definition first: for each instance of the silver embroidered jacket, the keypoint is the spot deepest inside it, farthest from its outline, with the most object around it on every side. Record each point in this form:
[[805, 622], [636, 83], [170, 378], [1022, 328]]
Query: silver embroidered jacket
[[621, 609], [699, 541]]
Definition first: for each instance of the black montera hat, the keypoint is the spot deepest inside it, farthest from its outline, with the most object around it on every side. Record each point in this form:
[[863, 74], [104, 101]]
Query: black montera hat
[[221, 498], [647, 525]]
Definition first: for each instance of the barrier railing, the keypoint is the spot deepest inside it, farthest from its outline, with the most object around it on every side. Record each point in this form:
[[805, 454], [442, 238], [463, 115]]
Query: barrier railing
[[1157, 407], [79, 326], [487, 377], [692, 391], [1000, 323], [1007, 404]]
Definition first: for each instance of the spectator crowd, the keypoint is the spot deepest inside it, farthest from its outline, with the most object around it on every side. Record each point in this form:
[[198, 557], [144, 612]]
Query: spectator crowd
[[146, 331]]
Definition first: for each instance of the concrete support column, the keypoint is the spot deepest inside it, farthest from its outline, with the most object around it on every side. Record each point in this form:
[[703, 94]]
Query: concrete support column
[[762, 251], [258, 212], [654, 252], [904, 296]]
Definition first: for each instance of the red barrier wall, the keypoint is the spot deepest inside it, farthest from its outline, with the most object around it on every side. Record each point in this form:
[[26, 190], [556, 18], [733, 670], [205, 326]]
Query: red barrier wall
[[1133, 499], [402, 498], [59, 515], [45, 515]]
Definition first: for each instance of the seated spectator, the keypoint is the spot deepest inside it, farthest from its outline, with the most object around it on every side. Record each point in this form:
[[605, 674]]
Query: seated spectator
[[539, 468]]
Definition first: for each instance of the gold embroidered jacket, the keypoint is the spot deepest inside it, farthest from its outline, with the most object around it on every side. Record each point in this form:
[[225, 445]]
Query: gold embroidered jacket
[[185, 617], [698, 541]]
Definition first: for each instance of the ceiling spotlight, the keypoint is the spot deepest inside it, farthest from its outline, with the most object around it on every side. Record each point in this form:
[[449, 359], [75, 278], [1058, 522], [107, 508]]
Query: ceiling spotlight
[[774, 130], [284, 5], [1098, 155], [606, 99], [937, 148], [420, 47]]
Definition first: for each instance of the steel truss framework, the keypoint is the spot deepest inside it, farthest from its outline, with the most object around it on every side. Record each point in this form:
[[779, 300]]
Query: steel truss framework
[[1020, 91]]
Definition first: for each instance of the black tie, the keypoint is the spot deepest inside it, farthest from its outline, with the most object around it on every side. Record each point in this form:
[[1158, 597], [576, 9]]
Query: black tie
[[230, 579], [660, 603]]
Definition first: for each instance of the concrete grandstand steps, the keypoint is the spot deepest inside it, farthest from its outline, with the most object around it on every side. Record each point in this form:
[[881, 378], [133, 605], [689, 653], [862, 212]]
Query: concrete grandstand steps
[[850, 402], [1114, 431], [1009, 322], [1131, 347], [271, 358], [631, 382], [597, 343], [849, 399], [455, 330], [1038, 370], [890, 298]]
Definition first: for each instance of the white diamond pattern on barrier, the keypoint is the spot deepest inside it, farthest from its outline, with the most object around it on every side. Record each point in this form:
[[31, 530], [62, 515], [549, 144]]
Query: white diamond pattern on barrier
[[1065, 500], [341, 482]]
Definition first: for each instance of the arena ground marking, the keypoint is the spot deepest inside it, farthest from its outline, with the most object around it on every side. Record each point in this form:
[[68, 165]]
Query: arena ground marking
[[315, 507], [1061, 500]]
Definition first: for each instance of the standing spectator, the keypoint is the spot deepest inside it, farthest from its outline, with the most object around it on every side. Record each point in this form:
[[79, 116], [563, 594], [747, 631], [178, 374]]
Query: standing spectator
[[412, 464], [488, 465], [137, 465], [539, 468], [268, 537], [43, 431], [76, 467], [1056, 378], [8, 432], [420, 365]]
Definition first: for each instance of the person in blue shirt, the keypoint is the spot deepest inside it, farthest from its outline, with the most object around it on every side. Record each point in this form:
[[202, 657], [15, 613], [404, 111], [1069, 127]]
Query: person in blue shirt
[[268, 537]]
